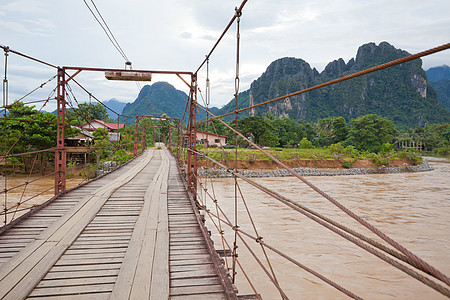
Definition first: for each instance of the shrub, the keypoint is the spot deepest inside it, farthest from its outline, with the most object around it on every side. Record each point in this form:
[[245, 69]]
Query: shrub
[[121, 156], [444, 150], [305, 144], [336, 148], [347, 163], [386, 148], [351, 151], [412, 155], [378, 159], [88, 171]]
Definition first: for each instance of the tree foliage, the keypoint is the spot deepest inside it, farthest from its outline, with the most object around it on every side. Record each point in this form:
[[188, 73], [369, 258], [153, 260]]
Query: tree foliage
[[370, 132], [27, 129], [86, 112]]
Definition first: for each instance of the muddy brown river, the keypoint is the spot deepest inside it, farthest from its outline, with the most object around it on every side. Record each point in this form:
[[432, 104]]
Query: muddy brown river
[[34, 193], [412, 208]]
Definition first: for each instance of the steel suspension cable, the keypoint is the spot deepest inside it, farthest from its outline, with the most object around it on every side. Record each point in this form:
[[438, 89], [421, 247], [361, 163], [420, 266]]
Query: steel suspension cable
[[258, 235], [394, 263], [5, 103], [25, 187], [39, 87], [221, 233], [418, 261], [109, 30], [241, 7], [323, 222], [26, 128], [117, 46], [341, 79], [259, 240], [238, 15], [96, 99], [27, 56]]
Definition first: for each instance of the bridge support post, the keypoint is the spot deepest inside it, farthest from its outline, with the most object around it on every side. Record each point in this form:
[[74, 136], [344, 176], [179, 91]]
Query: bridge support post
[[170, 137], [60, 152], [136, 124], [144, 139], [180, 138], [192, 155]]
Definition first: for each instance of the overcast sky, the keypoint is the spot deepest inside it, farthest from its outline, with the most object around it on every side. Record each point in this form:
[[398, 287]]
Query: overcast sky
[[177, 34]]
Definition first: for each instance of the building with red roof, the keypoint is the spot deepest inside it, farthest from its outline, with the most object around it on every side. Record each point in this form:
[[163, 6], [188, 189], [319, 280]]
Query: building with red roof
[[94, 124], [206, 138]]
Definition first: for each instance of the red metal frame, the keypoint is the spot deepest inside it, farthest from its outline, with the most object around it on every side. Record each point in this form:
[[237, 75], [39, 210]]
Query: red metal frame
[[60, 152], [180, 139], [136, 136], [192, 155]]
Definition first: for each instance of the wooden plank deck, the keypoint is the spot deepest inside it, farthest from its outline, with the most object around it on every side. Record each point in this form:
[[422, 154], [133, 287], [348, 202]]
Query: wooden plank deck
[[132, 234]]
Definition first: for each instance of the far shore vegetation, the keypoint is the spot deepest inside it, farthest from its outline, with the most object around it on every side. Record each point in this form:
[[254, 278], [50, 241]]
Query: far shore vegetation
[[370, 137]]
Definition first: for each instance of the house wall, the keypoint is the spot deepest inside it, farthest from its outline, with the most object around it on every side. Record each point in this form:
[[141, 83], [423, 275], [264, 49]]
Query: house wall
[[93, 125], [212, 139]]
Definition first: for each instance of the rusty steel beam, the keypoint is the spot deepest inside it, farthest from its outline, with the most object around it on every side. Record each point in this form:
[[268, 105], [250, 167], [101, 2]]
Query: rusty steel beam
[[60, 152], [192, 155], [180, 139], [136, 125], [126, 70], [238, 11]]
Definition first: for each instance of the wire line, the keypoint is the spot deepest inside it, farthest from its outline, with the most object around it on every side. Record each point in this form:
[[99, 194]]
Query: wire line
[[107, 31]]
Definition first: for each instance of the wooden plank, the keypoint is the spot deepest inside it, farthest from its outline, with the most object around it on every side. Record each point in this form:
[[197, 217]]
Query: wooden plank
[[183, 262], [71, 290], [189, 251], [81, 274], [209, 296], [100, 251], [86, 267], [35, 267], [196, 290], [125, 278], [160, 284], [194, 274], [94, 296], [76, 281], [150, 259], [192, 267], [100, 256], [194, 281]]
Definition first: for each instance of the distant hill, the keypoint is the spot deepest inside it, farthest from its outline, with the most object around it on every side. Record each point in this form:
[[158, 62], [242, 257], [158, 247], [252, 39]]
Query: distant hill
[[439, 79], [116, 106], [437, 73], [160, 98], [400, 93]]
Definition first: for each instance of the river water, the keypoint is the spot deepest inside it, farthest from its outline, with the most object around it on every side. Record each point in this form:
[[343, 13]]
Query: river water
[[30, 195], [412, 208]]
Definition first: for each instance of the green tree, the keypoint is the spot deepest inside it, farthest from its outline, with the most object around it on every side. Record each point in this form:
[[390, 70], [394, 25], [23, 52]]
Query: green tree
[[29, 129], [288, 131], [254, 127], [86, 112], [339, 129], [370, 132], [100, 134]]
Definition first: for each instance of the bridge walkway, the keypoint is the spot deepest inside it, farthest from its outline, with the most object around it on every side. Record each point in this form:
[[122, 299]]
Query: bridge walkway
[[131, 234]]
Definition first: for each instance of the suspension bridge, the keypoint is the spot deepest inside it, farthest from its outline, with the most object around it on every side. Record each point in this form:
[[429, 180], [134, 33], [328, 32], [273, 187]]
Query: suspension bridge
[[110, 239], [139, 232]]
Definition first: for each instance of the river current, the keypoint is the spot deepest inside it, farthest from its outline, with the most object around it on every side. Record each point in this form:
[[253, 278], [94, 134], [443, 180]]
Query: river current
[[412, 208]]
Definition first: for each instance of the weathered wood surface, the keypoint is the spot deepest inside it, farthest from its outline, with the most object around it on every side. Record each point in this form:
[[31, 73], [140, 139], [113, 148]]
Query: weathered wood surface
[[132, 234]]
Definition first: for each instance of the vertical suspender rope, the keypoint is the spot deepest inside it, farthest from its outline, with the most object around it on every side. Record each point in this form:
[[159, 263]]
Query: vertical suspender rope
[[236, 92], [5, 103]]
